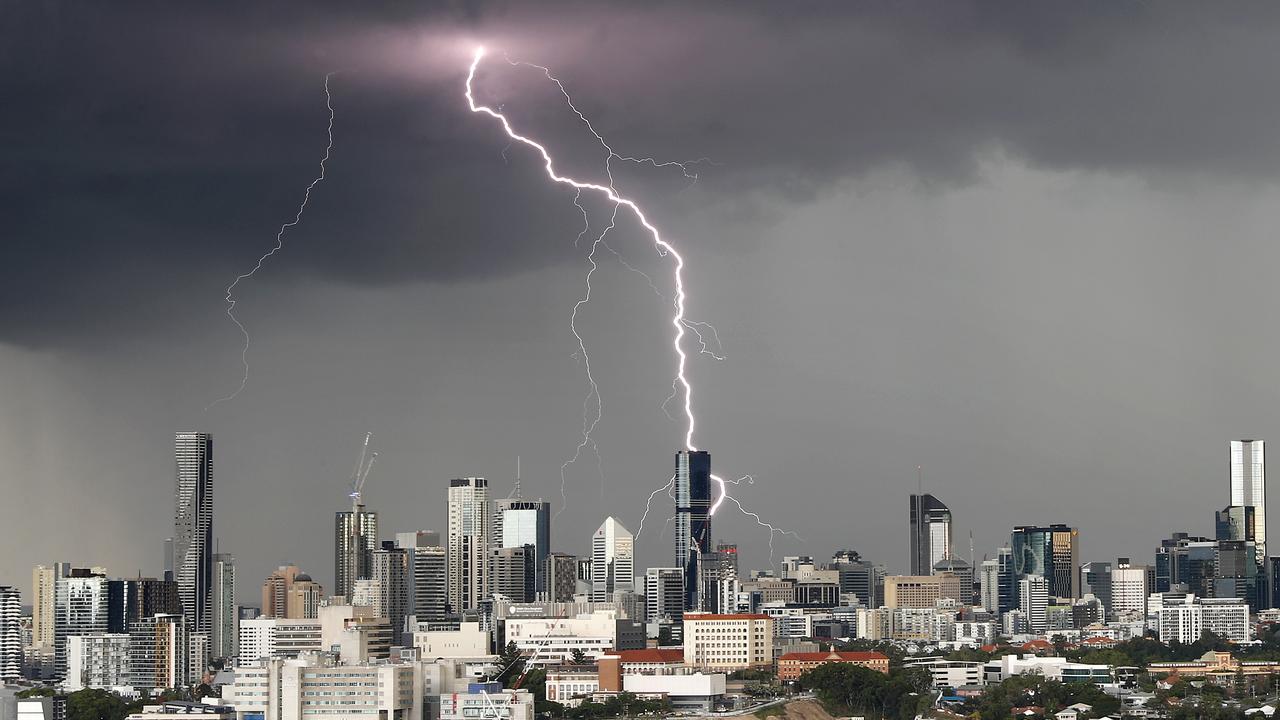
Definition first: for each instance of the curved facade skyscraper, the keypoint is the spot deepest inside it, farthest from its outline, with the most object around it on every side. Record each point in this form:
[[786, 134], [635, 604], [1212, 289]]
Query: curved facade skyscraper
[[930, 533], [193, 526]]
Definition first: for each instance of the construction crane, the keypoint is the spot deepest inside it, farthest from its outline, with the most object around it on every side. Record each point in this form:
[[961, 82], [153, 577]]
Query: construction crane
[[361, 472]]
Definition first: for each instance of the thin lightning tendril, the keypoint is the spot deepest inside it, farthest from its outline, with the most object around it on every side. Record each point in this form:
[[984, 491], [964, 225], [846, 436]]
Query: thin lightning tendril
[[297, 218], [680, 323]]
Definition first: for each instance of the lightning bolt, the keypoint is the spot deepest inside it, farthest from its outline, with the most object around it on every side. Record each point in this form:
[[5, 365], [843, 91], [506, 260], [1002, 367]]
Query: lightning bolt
[[297, 218], [679, 321]]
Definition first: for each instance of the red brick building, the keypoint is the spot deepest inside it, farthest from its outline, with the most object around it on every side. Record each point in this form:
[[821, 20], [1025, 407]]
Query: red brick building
[[792, 665]]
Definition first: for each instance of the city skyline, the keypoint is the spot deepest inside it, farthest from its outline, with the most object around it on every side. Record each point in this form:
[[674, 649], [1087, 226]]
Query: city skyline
[[891, 288]]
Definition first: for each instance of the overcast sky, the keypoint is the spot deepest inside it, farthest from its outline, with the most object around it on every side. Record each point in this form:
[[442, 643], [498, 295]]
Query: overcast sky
[[1030, 247]]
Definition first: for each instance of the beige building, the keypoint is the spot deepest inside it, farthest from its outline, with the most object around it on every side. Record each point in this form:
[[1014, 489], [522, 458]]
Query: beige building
[[290, 593], [728, 642], [921, 591]]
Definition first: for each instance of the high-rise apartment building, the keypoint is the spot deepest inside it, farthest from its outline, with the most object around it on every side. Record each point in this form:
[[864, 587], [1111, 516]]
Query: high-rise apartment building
[[989, 585], [1130, 586], [1249, 487], [612, 561], [664, 594], [10, 634], [469, 516], [159, 653], [1052, 552], [193, 526], [223, 634], [355, 537], [518, 522], [513, 573], [43, 578], [930, 533], [393, 571], [80, 608], [428, 560], [290, 593], [1033, 600], [692, 489], [562, 577], [131, 599]]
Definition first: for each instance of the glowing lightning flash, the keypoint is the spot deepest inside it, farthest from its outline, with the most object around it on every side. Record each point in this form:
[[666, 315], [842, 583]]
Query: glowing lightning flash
[[679, 322], [297, 218]]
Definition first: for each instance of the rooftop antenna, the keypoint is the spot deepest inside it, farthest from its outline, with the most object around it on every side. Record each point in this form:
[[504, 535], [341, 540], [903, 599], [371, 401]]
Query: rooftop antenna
[[515, 491]]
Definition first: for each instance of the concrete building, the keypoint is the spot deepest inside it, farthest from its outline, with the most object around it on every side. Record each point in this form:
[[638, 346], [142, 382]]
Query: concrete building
[[319, 685], [269, 637], [392, 570], [1184, 618], [355, 537], [552, 640], [487, 700], [1129, 590], [10, 634], [922, 591], [43, 581], [664, 594], [562, 577], [468, 546], [1033, 601], [728, 641], [80, 608], [612, 560], [513, 573], [451, 640], [429, 562], [290, 593], [945, 673], [1052, 668], [792, 665], [99, 662], [158, 653], [223, 612]]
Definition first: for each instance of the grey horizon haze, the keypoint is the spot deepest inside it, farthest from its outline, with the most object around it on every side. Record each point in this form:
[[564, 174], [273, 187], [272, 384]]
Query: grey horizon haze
[[1028, 247]]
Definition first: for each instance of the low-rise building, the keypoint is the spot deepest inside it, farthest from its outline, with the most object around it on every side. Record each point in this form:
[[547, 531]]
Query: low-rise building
[[1052, 668], [945, 673], [487, 700], [792, 665], [451, 639]]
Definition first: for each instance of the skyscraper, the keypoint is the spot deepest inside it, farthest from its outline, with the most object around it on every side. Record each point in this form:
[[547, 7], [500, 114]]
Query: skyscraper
[[1129, 590], [561, 573], [1249, 487], [393, 570], [469, 516], [193, 526], [514, 573], [693, 519], [10, 634], [43, 578], [131, 599], [930, 533], [518, 522], [1095, 579], [430, 598], [1052, 552], [355, 537], [1033, 598], [612, 561], [664, 594], [223, 634]]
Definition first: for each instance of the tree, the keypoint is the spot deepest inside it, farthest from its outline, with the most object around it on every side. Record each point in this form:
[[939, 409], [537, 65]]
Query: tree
[[510, 664], [577, 657], [848, 689], [92, 704]]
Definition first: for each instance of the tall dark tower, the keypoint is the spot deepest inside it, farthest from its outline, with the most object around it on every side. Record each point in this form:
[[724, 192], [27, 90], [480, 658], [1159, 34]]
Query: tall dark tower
[[693, 519], [193, 526]]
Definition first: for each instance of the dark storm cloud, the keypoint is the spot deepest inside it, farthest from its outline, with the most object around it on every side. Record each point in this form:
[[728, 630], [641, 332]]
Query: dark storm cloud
[[151, 151]]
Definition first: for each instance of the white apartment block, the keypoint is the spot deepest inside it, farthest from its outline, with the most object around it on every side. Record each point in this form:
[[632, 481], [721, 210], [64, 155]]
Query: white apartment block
[[1129, 591], [551, 641], [728, 642], [949, 673], [1185, 619], [99, 662], [450, 640], [315, 685], [268, 637]]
